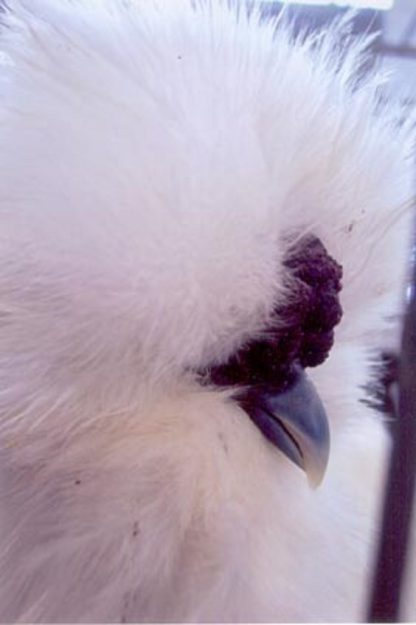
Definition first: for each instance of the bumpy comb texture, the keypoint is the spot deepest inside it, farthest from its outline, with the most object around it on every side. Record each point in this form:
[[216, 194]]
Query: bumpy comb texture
[[304, 333]]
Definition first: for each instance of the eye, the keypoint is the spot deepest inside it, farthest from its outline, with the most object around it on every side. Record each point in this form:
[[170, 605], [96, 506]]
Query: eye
[[303, 330]]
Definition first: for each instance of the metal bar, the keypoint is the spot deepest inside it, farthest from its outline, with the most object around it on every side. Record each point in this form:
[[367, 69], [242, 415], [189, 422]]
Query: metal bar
[[398, 504]]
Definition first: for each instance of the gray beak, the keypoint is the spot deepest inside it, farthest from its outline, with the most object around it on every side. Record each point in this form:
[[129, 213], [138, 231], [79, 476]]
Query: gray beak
[[295, 421]]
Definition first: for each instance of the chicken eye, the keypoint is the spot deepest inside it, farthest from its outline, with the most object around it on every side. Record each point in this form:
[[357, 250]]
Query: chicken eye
[[303, 332]]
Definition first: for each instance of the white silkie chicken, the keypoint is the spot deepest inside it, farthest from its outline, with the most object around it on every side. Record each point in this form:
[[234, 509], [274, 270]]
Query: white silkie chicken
[[180, 185]]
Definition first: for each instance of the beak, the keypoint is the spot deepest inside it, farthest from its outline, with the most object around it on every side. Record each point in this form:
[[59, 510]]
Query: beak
[[294, 420]]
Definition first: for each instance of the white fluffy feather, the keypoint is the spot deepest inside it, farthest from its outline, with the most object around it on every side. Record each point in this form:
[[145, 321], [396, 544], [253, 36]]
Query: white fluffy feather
[[153, 157]]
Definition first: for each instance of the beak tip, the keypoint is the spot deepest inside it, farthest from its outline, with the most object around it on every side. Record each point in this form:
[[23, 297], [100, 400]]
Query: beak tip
[[315, 476], [296, 422]]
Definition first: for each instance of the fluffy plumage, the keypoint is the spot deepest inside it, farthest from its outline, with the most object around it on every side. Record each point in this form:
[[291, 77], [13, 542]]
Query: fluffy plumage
[[156, 159]]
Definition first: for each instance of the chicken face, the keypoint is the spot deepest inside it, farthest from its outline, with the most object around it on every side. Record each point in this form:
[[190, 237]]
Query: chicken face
[[279, 398], [182, 186]]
